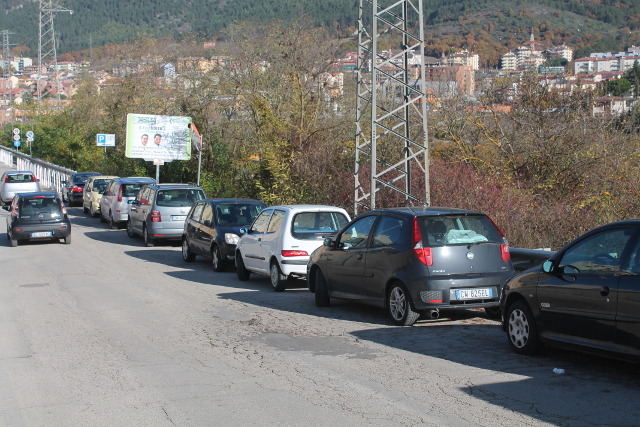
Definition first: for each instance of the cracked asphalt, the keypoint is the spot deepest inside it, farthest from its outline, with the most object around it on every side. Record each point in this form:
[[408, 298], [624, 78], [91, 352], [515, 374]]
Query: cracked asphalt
[[106, 332]]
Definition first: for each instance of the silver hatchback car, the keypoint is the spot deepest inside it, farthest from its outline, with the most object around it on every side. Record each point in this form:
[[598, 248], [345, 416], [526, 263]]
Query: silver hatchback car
[[17, 182], [118, 198], [160, 210]]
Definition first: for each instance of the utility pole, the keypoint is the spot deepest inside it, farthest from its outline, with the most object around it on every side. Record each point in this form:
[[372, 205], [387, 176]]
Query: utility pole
[[391, 105], [7, 72], [47, 56]]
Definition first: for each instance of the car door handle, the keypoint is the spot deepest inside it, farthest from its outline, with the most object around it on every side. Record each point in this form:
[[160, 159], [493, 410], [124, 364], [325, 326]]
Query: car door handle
[[604, 291], [359, 256]]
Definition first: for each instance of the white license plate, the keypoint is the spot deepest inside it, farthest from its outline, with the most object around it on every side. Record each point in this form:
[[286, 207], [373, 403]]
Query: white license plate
[[474, 294], [178, 217], [42, 234]]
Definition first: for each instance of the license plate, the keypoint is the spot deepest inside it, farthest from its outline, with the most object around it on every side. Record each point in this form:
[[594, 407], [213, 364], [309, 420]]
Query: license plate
[[474, 293], [178, 217], [42, 234]]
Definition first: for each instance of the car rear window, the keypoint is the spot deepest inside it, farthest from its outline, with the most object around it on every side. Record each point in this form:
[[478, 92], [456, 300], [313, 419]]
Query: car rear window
[[233, 214], [81, 179], [99, 185], [20, 177], [39, 208], [317, 225], [179, 197], [458, 230], [131, 190]]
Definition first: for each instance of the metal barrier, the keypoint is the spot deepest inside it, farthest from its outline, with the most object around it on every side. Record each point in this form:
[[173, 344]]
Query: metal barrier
[[50, 175]]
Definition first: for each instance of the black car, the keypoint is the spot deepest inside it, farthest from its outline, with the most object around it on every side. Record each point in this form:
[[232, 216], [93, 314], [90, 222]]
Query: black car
[[412, 261], [213, 228], [37, 216], [585, 297], [72, 189]]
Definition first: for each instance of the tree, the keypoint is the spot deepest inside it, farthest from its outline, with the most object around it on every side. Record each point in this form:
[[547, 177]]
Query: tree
[[618, 87], [633, 76]]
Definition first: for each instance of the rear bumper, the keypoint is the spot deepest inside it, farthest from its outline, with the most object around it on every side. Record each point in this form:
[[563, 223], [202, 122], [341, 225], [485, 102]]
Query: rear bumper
[[75, 197], [157, 232], [58, 230], [294, 265]]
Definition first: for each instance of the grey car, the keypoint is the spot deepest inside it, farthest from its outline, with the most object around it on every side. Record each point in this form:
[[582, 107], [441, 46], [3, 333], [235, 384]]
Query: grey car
[[160, 210], [17, 182], [414, 261], [117, 199]]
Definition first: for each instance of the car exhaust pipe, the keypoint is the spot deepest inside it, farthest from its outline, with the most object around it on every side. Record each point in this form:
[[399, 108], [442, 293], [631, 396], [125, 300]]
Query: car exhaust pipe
[[433, 314]]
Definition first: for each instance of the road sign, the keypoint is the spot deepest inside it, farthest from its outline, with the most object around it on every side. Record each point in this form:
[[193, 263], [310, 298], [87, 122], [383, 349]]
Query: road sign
[[16, 137], [158, 162], [30, 134], [29, 139], [105, 140], [16, 131], [16, 143]]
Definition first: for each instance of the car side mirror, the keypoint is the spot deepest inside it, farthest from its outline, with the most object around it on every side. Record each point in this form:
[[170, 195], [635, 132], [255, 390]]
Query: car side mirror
[[207, 223], [243, 230], [63, 182], [131, 202], [6, 207], [547, 267], [329, 242], [250, 231]]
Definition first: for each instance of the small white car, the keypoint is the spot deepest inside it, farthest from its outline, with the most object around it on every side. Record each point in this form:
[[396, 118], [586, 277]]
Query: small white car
[[281, 238], [13, 182]]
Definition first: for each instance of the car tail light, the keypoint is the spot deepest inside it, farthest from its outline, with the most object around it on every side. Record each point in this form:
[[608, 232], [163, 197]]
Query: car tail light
[[64, 209], [504, 248], [6, 178], [76, 189], [155, 216], [33, 177], [294, 253], [424, 254], [120, 193]]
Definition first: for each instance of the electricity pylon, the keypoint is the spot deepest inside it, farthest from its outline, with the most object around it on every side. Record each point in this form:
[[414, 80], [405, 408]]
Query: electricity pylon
[[47, 57], [391, 104], [6, 66]]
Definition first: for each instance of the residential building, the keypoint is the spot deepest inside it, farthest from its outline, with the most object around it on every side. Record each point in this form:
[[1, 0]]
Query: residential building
[[465, 58], [532, 55]]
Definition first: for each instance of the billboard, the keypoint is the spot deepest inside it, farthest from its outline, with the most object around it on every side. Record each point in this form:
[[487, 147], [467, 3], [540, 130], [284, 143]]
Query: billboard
[[152, 137]]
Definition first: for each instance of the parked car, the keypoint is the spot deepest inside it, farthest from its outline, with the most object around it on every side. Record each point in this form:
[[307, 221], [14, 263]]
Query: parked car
[[92, 193], [213, 228], [412, 261], [585, 297], [117, 198], [279, 241], [72, 189], [17, 182], [37, 216], [159, 211]]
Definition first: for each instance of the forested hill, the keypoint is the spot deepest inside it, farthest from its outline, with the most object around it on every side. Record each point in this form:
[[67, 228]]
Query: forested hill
[[588, 24]]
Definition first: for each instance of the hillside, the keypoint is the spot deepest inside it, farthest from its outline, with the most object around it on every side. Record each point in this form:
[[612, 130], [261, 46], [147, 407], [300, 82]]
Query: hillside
[[490, 27]]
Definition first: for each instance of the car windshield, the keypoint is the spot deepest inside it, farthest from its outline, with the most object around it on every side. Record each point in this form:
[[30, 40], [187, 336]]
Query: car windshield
[[458, 230], [131, 190], [237, 214], [81, 179], [317, 225], [39, 208], [179, 197], [99, 185], [20, 177]]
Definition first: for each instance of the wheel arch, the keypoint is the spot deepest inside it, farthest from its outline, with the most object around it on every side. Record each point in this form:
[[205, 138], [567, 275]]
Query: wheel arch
[[390, 282]]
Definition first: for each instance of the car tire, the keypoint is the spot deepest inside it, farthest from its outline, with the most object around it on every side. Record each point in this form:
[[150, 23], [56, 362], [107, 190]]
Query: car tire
[[130, 231], [493, 312], [148, 241], [522, 331], [112, 224], [278, 280], [85, 210], [243, 273], [187, 255], [14, 242], [216, 260], [400, 306], [67, 240], [321, 292], [93, 213]]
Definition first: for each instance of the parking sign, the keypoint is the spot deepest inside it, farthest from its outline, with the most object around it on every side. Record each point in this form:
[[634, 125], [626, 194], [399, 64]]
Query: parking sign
[[105, 140]]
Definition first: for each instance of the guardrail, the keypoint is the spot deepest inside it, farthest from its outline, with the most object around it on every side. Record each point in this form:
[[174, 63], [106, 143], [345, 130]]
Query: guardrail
[[50, 175], [524, 259]]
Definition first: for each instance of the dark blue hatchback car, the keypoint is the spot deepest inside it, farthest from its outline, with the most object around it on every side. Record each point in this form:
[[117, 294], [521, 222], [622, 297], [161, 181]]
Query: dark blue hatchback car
[[213, 228]]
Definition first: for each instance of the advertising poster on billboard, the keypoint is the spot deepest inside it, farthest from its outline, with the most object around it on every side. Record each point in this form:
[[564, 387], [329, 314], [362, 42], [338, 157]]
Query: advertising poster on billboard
[[152, 137]]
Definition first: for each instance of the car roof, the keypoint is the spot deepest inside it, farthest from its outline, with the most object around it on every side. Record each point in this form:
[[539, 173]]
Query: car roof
[[38, 193], [251, 201], [175, 186], [18, 172], [103, 177], [429, 211], [87, 173], [136, 180], [307, 207]]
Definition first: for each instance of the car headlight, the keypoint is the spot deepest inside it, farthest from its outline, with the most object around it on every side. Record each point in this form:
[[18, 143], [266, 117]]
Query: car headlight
[[231, 238]]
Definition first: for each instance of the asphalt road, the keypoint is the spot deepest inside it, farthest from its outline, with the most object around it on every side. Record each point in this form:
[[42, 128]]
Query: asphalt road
[[106, 332]]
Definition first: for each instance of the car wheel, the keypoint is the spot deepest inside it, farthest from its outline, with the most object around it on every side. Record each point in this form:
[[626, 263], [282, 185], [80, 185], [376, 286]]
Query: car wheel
[[67, 240], [112, 224], [93, 213], [148, 241], [400, 306], [14, 242], [8, 236], [187, 255], [321, 293], [493, 312], [278, 280], [130, 231], [216, 259], [243, 273], [521, 329], [85, 210]]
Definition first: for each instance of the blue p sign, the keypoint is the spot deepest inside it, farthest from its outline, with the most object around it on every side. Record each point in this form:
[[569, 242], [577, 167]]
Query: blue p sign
[[102, 139]]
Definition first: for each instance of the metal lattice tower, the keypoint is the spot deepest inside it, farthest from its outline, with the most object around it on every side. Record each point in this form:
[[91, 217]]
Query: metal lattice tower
[[47, 57], [6, 66], [391, 104]]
